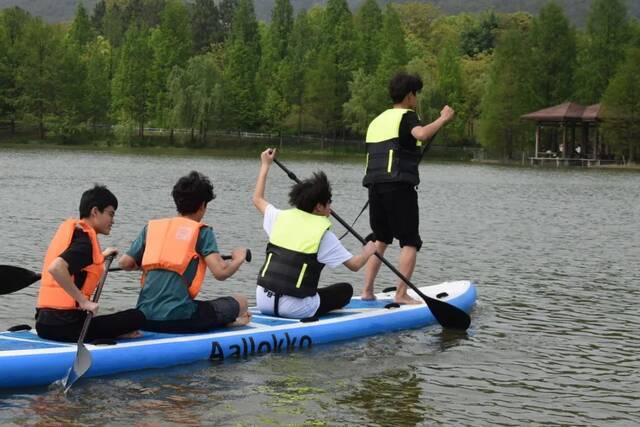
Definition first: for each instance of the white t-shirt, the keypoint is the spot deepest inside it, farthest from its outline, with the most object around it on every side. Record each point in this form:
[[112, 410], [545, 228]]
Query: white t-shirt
[[330, 252]]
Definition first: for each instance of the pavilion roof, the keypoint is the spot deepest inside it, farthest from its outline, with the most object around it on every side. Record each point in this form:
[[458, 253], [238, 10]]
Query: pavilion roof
[[592, 113], [558, 113]]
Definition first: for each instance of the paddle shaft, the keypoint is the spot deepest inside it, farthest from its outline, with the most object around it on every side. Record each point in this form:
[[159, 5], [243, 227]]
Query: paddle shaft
[[446, 314], [96, 297], [359, 237]]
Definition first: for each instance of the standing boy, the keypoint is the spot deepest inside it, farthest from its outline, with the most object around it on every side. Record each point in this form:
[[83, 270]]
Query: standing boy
[[394, 140]]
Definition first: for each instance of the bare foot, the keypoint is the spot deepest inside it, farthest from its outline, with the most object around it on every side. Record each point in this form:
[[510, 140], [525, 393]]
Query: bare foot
[[406, 299], [130, 335], [368, 296], [241, 320]]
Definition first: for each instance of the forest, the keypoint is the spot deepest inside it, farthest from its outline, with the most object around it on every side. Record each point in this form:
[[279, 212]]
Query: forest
[[127, 65]]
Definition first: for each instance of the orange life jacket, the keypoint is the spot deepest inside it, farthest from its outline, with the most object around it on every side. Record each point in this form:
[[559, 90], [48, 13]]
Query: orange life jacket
[[171, 245], [51, 294]]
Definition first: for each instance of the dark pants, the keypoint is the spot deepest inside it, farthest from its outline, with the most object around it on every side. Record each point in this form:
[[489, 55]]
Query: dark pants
[[209, 315], [334, 297], [108, 326]]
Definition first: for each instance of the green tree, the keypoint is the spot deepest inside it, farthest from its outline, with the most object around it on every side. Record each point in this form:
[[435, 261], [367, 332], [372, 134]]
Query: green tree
[[320, 97], [361, 108], [368, 25], [81, 31], [206, 24], [227, 10], [295, 64], [481, 36], [40, 48], [98, 57], [508, 95], [554, 56], [394, 51], [132, 95], [13, 22], [241, 65], [621, 104], [73, 102], [171, 44], [272, 76], [607, 34], [450, 91]]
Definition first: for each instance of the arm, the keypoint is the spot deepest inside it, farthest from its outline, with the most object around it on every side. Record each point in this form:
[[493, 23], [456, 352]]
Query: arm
[[266, 159], [222, 269], [357, 262], [424, 133], [128, 263], [59, 269]]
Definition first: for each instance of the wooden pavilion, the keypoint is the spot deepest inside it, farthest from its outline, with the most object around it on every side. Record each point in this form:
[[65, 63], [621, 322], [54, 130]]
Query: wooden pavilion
[[556, 139]]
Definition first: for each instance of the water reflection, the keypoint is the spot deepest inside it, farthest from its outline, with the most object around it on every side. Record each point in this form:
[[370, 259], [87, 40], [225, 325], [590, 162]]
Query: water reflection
[[391, 397]]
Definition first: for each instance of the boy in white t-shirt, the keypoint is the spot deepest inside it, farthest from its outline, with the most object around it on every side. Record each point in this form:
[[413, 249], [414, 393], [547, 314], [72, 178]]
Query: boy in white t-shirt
[[300, 245]]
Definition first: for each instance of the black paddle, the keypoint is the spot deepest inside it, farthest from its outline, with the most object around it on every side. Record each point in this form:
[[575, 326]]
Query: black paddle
[[449, 316], [14, 278], [83, 360]]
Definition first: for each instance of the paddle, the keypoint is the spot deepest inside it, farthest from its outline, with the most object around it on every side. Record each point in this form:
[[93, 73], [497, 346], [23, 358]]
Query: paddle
[[449, 316], [83, 360], [14, 278]]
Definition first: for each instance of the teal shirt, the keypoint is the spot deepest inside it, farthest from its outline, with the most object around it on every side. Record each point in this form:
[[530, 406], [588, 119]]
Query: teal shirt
[[164, 295]]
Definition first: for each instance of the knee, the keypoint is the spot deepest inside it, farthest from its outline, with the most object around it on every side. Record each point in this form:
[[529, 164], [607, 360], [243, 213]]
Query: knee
[[242, 302]]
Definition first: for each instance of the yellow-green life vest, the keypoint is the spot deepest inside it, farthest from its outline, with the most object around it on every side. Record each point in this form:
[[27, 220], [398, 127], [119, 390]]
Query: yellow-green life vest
[[291, 265], [387, 161]]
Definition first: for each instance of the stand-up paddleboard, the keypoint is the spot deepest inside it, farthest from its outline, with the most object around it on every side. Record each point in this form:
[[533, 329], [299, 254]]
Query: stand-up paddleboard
[[27, 360]]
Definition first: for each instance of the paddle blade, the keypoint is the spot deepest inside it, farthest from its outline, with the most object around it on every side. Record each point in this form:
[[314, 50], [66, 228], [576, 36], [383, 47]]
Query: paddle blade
[[80, 366], [448, 315], [14, 278]]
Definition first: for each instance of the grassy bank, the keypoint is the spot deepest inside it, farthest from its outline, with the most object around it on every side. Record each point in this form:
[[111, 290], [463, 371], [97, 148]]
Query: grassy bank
[[227, 146]]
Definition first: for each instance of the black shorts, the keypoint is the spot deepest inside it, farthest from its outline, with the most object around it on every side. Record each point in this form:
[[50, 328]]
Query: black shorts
[[209, 315], [393, 213]]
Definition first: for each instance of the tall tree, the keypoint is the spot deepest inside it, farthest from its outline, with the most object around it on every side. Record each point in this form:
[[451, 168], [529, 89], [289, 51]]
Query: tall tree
[[272, 75], [98, 58], [132, 82], [242, 61], [40, 47], [554, 56], [295, 65], [227, 10], [508, 95], [206, 24], [13, 22], [368, 24], [81, 31], [622, 106], [481, 36], [607, 34], [171, 44]]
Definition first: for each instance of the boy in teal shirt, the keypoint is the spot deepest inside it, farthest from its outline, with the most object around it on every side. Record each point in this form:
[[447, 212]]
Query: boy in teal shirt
[[174, 254]]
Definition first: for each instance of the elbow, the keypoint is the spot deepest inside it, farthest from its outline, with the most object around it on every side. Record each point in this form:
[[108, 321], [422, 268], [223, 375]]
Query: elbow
[[220, 276]]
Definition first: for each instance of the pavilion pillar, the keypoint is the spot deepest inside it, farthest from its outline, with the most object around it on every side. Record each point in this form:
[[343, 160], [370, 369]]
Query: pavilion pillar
[[537, 140]]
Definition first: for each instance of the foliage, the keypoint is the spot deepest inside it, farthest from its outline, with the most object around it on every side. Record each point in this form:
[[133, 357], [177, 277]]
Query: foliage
[[508, 95], [621, 106], [607, 34], [554, 54]]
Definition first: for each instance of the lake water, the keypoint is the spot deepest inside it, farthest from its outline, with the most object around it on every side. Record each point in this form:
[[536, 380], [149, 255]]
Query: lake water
[[554, 340]]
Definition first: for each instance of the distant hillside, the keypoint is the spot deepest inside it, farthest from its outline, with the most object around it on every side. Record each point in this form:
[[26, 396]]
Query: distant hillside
[[576, 10]]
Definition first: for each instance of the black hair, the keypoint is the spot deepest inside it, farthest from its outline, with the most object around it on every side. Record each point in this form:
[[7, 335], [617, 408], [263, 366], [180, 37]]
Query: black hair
[[306, 194], [191, 191], [403, 84], [98, 196]]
